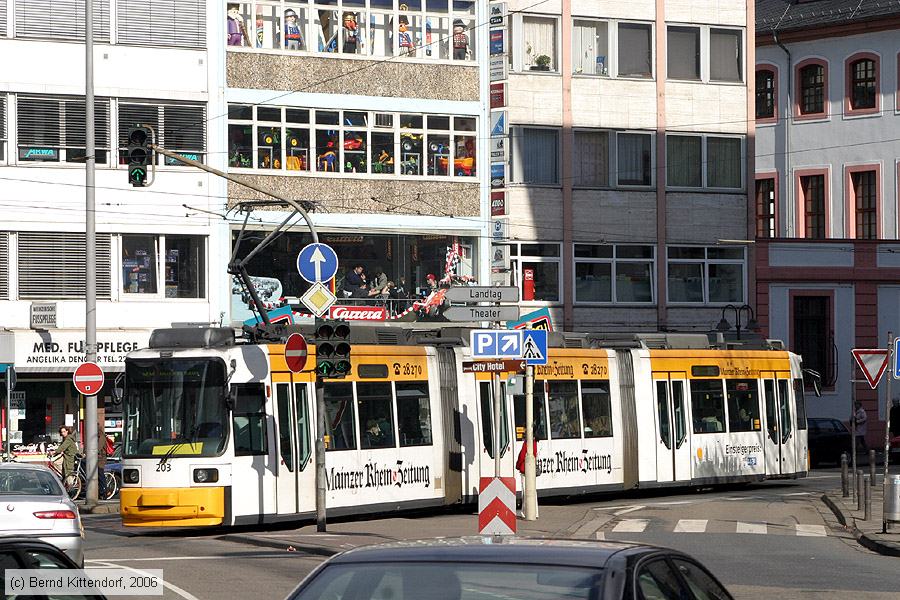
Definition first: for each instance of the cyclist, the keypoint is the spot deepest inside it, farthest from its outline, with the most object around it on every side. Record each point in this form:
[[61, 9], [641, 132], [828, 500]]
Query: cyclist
[[67, 449]]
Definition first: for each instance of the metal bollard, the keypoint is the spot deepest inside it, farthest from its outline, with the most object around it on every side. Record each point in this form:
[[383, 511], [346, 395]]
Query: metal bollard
[[845, 475], [859, 489], [867, 488], [872, 467]]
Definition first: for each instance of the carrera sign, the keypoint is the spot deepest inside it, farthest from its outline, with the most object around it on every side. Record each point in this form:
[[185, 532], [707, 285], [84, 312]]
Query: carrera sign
[[357, 313]]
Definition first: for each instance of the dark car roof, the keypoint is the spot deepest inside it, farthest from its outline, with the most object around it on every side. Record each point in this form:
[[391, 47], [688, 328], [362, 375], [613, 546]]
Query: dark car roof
[[518, 550], [16, 541]]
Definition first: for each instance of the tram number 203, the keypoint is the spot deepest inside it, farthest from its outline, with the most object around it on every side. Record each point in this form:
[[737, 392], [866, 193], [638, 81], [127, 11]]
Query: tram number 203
[[163, 467], [408, 369]]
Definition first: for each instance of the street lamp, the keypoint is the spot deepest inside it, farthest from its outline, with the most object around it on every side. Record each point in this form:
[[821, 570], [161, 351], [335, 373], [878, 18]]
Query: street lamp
[[751, 324]]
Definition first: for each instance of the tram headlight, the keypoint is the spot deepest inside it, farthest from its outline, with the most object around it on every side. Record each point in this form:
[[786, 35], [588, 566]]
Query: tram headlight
[[206, 475], [131, 475]]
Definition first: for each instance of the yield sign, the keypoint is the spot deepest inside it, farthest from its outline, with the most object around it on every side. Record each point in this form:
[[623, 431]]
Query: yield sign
[[295, 352], [872, 362]]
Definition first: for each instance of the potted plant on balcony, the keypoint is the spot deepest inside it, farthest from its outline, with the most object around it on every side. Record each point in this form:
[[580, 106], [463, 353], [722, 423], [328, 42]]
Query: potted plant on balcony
[[541, 63]]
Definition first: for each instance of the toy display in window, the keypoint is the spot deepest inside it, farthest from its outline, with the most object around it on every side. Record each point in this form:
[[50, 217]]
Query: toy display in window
[[327, 38], [351, 33], [237, 33], [460, 40], [328, 158], [260, 34], [384, 163], [293, 38], [404, 37]]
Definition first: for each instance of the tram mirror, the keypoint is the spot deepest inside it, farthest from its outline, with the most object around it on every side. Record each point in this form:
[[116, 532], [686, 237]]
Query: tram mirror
[[118, 390], [813, 379], [231, 398]]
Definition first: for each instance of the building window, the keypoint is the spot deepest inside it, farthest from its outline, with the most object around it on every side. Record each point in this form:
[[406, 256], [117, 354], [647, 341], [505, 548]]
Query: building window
[[539, 44], [179, 128], [765, 208], [635, 51], [684, 160], [633, 156], [862, 83], [536, 156], [179, 258], [613, 273], [813, 333], [175, 23], [724, 163], [536, 269], [766, 81], [865, 197], [590, 47], [683, 49], [723, 166], [699, 275], [64, 20], [51, 129], [590, 163], [139, 254], [812, 195], [812, 80], [726, 59], [442, 31], [360, 142], [64, 254]]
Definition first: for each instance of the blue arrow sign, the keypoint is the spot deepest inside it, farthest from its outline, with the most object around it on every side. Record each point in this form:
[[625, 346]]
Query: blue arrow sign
[[317, 262]]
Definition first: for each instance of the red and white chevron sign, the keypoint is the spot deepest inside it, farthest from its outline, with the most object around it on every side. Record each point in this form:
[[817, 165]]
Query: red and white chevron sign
[[497, 506]]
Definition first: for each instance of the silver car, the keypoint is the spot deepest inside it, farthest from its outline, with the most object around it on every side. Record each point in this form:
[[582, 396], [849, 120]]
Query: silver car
[[33, 503]]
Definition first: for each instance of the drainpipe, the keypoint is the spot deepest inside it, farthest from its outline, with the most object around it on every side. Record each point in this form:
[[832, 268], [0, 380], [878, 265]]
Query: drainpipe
[[790, 224]]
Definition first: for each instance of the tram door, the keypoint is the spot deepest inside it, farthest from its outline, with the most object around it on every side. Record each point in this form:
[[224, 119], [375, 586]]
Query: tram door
[[295, 484], [673, 448], [486, 421], [781, 452]]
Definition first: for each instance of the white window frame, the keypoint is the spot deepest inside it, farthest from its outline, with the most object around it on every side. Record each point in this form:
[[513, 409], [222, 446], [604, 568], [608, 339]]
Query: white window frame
[[516, 259], [705, 43], [614, 43], [614, 160], [516, 43], [706, 262], [118, 282], [516, 167], [610, 26], [614, 301], [704, 162], [61, 161]]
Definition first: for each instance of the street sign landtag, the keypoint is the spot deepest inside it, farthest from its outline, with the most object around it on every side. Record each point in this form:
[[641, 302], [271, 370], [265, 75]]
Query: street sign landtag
[[317, 262], [481, 313], [483, 294], [872, 362], [496, 343]]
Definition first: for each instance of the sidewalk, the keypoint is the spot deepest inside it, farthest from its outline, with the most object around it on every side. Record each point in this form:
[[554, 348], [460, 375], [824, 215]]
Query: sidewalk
[[554, 522], [103, 507], [867, 533]]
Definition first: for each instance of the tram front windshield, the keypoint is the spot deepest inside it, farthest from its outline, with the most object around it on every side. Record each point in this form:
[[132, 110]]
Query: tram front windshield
[[175, 407]]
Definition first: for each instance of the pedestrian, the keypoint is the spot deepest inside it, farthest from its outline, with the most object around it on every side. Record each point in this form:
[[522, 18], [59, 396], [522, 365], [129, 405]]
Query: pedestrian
[[102, 454], [520, 464], [860, 418], [67, 449]]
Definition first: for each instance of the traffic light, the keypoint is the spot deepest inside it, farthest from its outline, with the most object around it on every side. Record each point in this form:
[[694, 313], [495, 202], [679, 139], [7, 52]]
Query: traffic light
[[332, 349], [139, 155]]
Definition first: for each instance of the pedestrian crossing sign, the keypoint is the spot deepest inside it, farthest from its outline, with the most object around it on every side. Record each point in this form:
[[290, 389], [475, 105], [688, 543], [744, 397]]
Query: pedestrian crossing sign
[[534, 346]]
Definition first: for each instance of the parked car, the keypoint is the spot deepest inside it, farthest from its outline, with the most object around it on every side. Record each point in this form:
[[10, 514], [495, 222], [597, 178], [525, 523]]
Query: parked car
[[513, 567], [36, 505], [29, 553], [828, 438]]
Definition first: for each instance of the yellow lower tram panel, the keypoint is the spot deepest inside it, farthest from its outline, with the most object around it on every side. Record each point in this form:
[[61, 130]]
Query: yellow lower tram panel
[[168, 507]]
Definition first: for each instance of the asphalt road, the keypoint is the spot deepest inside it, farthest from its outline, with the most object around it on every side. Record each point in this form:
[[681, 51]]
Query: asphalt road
[[772, 540]]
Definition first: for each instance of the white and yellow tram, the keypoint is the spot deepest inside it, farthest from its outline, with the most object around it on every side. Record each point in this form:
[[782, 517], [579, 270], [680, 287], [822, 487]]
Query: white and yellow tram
[[221, 433]]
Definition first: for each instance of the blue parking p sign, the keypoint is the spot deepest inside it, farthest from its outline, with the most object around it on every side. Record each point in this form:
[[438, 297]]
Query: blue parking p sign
[[496, 343]]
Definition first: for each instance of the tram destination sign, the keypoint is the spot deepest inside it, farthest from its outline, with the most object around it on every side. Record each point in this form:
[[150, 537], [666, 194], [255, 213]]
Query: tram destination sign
[[493, 366], [481, 313], [506, 293]]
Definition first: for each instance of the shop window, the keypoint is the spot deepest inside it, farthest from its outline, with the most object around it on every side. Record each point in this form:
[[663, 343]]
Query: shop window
[[726, 56], [536, 156], [765, 208], [176, 23], [139, 264], [249, 420], [698, 275], [414, 414], [562, 410], [766, 95], [340, 427], [590, 166], [708, 406], [376, 415], [683, 53], [590, 47], [684, 161], [36, 20], [863, 84], [812, 80], [539, 43], [621, 274], [537, 270], [596, 409], [183, 265], [538, 413], [180, 128], [65, 251], [635, 51], [633, 158], [743, 405], [51, 129], [812, 199]]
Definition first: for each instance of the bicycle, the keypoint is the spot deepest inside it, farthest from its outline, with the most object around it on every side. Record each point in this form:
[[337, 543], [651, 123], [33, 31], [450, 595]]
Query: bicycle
[[73, 484], [78, 483]]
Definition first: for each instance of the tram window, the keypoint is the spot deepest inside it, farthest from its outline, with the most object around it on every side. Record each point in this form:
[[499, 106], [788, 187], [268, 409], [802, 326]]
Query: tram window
[[339, 422], [662, 411], [249, 420], [708, 405], [487, 419], [414, 414], [743, 405], [596, 409], [302, 424], [376, 415], [785, 402], [563, 409], [801, 403], [771, 414], [283, 397], [540, 417]]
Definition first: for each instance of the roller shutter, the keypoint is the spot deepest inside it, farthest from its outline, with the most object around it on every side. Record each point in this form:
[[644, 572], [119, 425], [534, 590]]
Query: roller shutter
[[4, 265], [61, 20], [177, 23], [52, 265], [180, 127]]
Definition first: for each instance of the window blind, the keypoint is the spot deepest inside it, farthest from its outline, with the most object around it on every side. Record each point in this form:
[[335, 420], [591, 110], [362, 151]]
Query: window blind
[[61, 20], [180, 127], [2, 118], [178, 23], [59, 121], [52, 265], [4, 265], [3, 9]]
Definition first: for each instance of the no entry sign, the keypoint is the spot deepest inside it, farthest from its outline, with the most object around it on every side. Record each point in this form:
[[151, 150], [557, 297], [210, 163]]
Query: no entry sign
[[88, 379], [295, 352]]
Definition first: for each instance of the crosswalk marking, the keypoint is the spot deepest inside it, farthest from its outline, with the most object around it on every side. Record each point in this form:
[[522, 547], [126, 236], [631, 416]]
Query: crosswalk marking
[[630, 526], [811, 530], [751, 527], [691, 526]]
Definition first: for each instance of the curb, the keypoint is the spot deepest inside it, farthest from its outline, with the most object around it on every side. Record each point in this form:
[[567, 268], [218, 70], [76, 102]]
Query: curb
[[277, 544], [101, 509], [862, 539]]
